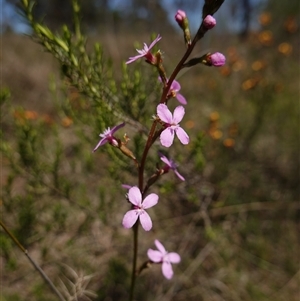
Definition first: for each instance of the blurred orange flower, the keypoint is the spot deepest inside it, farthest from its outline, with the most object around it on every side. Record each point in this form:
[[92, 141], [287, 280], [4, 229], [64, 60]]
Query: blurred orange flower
[[291, 25], [190, 124], [265, 19], [31, 115], [258, 65], [238, 65], [225, 70], [250, 83], [285, 48], [214, 116], [66, 122], [25, 115], [229, 142], [216, 134], [266, 37]]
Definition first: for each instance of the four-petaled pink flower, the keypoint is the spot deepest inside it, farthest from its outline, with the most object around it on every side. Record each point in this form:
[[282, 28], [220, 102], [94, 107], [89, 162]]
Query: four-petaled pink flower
[[145, 52], [172, 125], [163, 257], [170, 164], [138, 211], [175, 88], [108, 136]]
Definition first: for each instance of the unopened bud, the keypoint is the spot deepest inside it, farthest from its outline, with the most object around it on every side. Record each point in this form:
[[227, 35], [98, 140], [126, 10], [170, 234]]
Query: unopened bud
[[217, 59], [183, 22], [209, 22], [179, 17]]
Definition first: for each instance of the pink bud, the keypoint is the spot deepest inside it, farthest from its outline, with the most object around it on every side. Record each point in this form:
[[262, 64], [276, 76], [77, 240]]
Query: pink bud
[[209, 22], [180, 16], [217, 59]]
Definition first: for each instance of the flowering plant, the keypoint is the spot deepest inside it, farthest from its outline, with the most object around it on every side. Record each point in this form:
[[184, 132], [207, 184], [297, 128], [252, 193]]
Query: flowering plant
[[165, 123], [165, 126]]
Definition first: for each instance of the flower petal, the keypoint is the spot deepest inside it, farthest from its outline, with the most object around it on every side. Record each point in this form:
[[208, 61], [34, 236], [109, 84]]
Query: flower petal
[[160, 247], [154, 255], [181, 99], [150, 201], [179, 175], [167, 137], [164, 113], [100, 143], [165, 160], [134, 58], [173, 257], [130, 218], [178, 114], [175, 85], [145, 220], [115, 128], [167, 270], [182, 135], [135, 196], [126, 186], [155, 41]]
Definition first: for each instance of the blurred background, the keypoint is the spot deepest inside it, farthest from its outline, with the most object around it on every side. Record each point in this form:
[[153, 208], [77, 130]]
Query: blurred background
[[234, 221]]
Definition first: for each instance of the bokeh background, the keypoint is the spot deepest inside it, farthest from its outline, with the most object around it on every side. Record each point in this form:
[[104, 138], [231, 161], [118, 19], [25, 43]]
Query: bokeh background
[[234, 221]]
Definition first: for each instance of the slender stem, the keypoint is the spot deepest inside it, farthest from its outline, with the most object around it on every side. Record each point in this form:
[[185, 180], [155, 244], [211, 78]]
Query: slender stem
[[145, 153], [134, 261], [36, 266]]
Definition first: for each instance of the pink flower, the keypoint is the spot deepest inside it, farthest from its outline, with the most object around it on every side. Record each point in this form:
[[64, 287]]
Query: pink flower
[[172, 125], [108, 136], [216, 59], [175, 88], [162, 256], [138, 211], [209, 22], [145, 52], [170, 164]]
